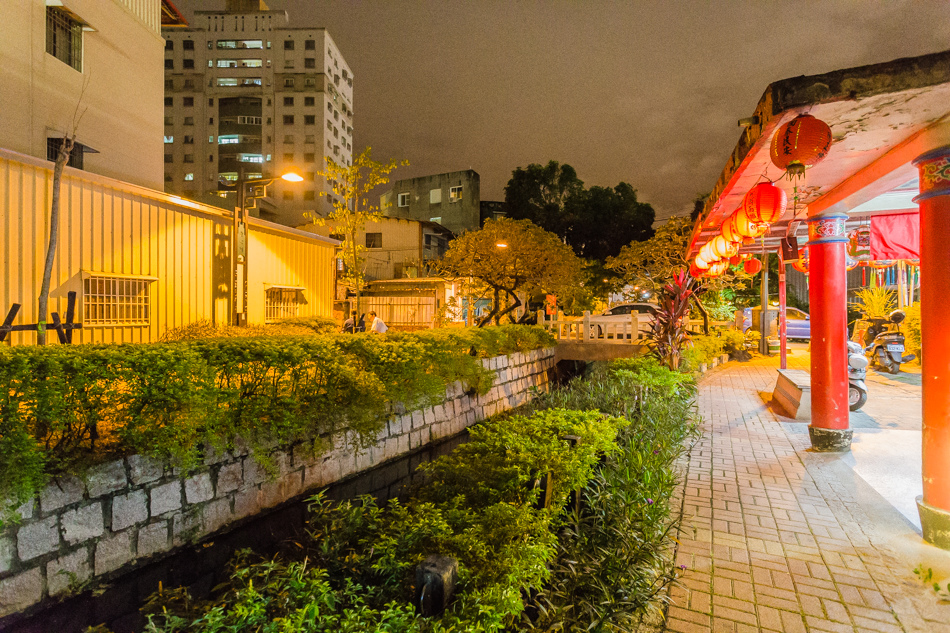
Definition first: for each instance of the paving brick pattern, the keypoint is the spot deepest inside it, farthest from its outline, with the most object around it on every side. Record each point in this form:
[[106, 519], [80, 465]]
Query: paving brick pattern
[[769, 542]]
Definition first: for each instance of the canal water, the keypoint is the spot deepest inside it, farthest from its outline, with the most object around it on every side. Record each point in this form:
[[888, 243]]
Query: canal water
[[204, 565]]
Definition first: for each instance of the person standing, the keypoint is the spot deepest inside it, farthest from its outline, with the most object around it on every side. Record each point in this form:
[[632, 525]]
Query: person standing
[[377, 326]]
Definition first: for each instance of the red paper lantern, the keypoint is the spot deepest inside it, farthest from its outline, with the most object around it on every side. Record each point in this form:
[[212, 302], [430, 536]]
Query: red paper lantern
[[801, 264], [700, 263], [728, 230], [765, 203], [717, 269], [723, 247], [695, 271], [747, 228], [800, 143], [752, 266], [734, 261]]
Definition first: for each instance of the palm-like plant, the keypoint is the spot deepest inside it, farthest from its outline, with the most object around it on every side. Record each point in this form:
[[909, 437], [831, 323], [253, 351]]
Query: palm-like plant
[[668, 335]]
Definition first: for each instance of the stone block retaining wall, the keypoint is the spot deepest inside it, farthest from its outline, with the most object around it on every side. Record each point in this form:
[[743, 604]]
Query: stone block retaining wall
[[125, 511]]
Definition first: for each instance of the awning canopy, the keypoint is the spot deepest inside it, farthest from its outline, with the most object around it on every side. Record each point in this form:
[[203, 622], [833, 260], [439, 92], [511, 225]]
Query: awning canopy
[[876, 113]]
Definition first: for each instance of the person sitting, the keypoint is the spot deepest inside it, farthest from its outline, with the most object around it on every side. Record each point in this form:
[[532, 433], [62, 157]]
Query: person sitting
[[349, 326], [377, 326]]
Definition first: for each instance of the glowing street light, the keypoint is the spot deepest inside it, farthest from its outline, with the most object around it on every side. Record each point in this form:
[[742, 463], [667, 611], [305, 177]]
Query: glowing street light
[[501, 245], [292, 177]]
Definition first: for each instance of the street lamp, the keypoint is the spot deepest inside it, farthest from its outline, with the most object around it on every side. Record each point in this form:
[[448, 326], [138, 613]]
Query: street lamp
[[247, 189]]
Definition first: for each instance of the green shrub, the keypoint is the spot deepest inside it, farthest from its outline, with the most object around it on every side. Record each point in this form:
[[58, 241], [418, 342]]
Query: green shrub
[[64, 406]]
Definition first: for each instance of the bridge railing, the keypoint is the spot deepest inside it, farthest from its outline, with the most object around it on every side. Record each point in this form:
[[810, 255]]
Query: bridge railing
[[594, 329]]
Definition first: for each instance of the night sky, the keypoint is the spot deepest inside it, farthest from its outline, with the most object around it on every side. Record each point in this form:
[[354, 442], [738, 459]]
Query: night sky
[[644, 92]]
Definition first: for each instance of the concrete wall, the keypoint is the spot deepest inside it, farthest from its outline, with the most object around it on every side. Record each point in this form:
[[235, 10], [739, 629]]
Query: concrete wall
[[458, 217], [121, 513], [114, 229], [119, 87]]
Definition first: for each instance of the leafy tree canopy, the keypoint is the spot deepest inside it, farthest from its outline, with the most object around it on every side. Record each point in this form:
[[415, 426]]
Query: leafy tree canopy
[[595, 222], [508, 257]]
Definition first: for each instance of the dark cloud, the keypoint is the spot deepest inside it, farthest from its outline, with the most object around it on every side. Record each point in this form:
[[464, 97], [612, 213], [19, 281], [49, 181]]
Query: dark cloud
[[645, 92]]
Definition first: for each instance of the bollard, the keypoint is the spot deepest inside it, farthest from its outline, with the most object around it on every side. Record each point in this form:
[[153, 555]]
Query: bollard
[[435, 584]]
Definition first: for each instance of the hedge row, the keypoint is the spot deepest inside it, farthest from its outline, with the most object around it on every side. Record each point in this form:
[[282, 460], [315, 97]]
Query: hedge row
[[62, 407]]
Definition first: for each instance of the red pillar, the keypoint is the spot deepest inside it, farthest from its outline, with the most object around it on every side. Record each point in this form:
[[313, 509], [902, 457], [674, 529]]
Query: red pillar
[[827, 298], [934, 200]]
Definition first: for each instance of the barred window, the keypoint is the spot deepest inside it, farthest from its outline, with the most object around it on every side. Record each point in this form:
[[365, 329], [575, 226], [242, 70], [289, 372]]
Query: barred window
[[64, 36], [282, 303], [115, 300]]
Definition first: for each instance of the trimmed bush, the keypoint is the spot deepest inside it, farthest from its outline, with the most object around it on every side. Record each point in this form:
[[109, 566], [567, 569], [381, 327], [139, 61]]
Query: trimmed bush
[[62, 407]]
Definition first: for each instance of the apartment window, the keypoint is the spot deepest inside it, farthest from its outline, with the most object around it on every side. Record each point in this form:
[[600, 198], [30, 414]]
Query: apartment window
[[169, 139], [188, 64], [169, 120], [169, 45], [455, 194], [211, 101], [310, 45], [288, 119], [64, 36], [189, 158], [188, 102], [309, 62], [374, 240], [309, 101], [289, 82], [249, 120], [169, 102], [168, 177], [402, 200], [75, 156], [282, 303], [288, 63], [189, 140], [288, 139], [308, 195], [288, 101], [169, 84], [227, 139], [210, 158], [311, 176], [228, 44], [189, 84], [288, 195], [224, 82], [435, 196], [289, 157], [288, 45], [309, 119], [309, 157], [169, 158], [169, 64], [189, 120], [309, 139], [309, 82], [190, 176], [115, 301], [188, 45], [329, 107]]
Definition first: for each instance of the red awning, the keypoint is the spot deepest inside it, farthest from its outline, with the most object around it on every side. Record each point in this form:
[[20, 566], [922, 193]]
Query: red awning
[[895, 236]]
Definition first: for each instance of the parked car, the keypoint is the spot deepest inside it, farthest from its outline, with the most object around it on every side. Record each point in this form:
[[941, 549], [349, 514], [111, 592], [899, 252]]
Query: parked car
[[797, 323], [620, 313]]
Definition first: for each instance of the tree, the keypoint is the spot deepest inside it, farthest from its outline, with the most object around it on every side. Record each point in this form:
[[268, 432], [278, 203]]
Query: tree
[[541, 194], [595, 222], [352, 208], [653, 264], [508, 257]]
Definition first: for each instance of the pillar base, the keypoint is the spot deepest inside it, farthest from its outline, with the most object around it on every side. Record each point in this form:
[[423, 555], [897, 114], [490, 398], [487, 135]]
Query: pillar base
[[830, 440], [935, 524]]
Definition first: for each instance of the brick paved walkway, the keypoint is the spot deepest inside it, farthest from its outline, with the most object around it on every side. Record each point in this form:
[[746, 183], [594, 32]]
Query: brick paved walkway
[[777, 538]]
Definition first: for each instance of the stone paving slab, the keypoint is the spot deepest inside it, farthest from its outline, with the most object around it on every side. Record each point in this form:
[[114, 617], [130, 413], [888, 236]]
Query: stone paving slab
[[777, 538]]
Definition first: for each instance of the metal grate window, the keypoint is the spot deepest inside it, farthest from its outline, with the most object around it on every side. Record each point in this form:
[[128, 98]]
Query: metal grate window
[[282, 303], [115, 301], [64, 36]]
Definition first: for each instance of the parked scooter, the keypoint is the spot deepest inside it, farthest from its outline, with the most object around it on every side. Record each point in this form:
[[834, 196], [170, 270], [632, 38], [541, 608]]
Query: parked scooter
[[885, 346], [857, 370]]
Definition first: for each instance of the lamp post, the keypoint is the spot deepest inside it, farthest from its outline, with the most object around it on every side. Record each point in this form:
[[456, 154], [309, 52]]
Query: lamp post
[[239, 235]]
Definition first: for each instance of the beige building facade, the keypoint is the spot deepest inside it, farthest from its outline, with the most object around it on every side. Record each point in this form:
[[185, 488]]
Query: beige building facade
[[93, 66], [395, 248], [142, 261], [452, 199], [247, 92]]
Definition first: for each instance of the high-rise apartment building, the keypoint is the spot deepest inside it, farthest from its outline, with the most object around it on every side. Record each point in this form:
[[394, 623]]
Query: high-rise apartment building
[[246, 92], [89, 67]]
